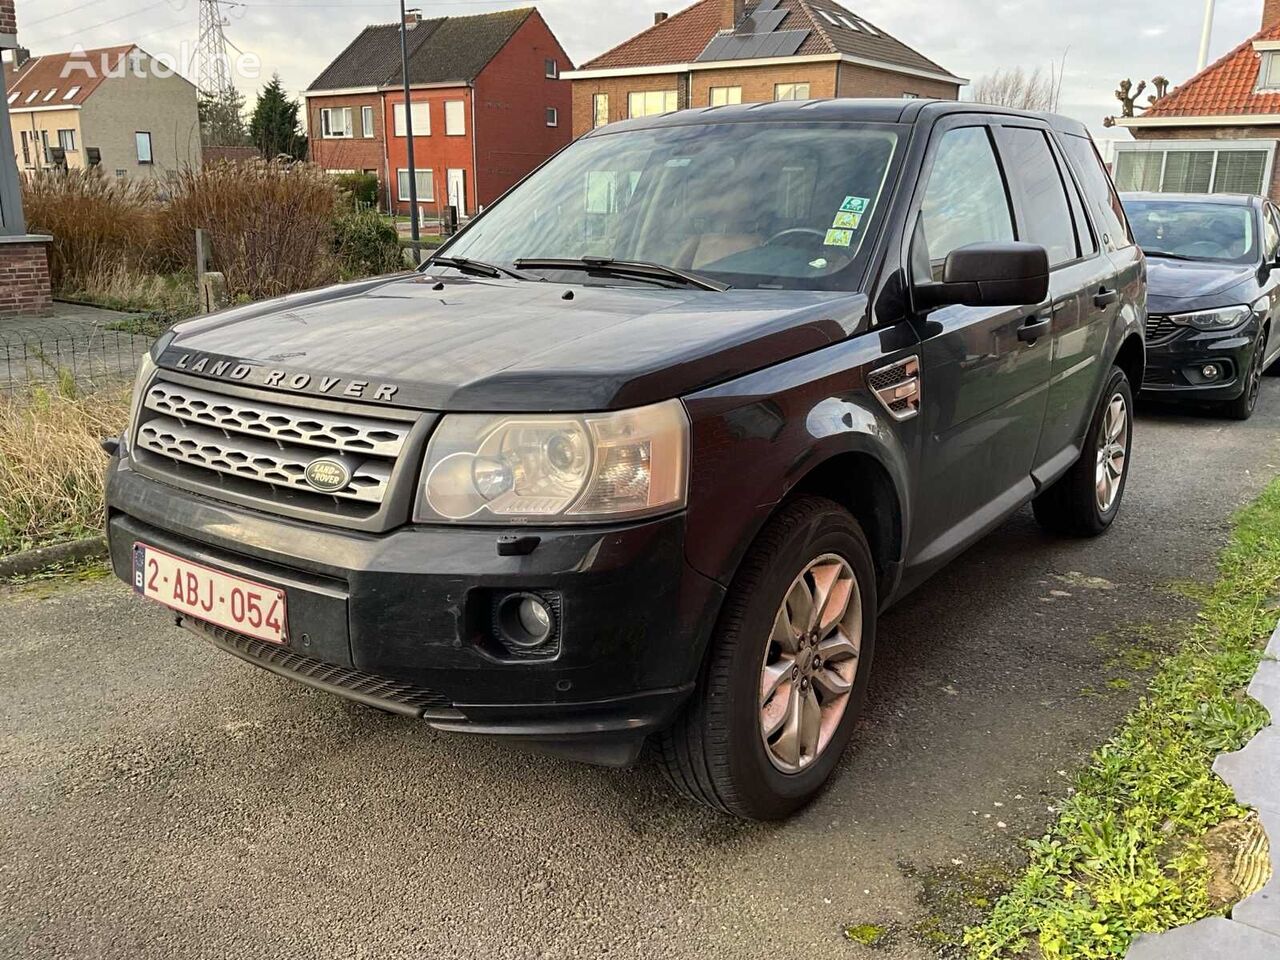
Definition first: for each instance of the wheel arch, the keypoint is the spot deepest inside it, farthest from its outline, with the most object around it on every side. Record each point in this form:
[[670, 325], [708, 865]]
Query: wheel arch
[[1132, 359]]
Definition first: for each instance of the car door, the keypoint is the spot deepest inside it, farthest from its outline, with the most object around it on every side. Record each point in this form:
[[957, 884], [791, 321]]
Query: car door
[[984, 380], [1083, 295], [1270, 279]]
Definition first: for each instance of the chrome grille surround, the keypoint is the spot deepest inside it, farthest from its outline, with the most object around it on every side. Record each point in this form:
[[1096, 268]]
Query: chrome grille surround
[[252, 446]]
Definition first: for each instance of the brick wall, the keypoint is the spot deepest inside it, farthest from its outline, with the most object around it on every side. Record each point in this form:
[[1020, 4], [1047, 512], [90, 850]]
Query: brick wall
[[24, 277], [8, 18], [859, 81], [758, 83], [616, 88], [358, 153]]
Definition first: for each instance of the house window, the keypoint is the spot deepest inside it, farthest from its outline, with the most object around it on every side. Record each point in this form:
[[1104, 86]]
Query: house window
[[366, 122], [32, 96], [14, 96], [1193, 167], [71, 94], [911, 96], [50, 95], [421, 120], [652, 103], [455, 118], [552, 70], [143, 141], [1269, 71], [724, 96], [67, 140], [335, 124], [553, 117], [791, 91], [425, 184], [599, 109], [26, 150]]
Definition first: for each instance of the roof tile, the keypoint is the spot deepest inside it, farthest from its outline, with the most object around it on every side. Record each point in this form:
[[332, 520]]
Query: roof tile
[[46, 81], [1226, 88]]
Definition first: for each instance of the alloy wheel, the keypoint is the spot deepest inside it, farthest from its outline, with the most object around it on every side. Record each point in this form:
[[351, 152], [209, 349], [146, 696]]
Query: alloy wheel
[[1113, 451], [810, 663], [1255, 373]]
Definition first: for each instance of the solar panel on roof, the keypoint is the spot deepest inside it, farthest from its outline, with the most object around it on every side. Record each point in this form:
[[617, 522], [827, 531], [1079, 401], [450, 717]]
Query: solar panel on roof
[[767, 5], [733, 46], [760, 22]]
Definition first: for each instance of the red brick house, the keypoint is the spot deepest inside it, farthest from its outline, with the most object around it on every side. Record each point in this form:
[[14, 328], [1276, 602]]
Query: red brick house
[[719, 52], [24, 259], [488, 105], [1217, 132]]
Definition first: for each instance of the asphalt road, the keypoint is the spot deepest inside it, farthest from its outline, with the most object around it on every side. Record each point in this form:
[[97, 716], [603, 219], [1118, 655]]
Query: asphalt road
[[161, 799]]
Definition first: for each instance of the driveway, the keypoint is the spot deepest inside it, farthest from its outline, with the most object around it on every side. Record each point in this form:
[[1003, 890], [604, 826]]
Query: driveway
[[161, 799]]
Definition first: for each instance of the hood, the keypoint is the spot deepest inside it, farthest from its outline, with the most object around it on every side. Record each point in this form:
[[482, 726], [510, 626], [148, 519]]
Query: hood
[[509, 346], [1179, 285]]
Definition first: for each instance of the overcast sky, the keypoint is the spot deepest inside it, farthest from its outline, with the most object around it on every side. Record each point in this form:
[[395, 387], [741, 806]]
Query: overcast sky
[[1103, 40]]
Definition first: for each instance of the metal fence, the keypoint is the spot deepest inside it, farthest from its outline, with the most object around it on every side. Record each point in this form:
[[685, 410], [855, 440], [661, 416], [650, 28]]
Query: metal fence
[[87, 354]]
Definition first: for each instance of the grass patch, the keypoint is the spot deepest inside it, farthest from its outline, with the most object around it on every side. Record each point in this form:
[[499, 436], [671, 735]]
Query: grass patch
[[867, 934], [1127, 854], [51, 467], [158, 300]]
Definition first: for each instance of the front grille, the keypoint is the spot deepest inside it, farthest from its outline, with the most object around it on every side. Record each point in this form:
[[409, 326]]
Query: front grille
[[1160, 328], [367, 687], [261, 449]]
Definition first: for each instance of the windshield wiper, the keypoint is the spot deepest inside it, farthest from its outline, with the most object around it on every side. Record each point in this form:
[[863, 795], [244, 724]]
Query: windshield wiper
[[1168, 256], [477, 267], [625, 268]]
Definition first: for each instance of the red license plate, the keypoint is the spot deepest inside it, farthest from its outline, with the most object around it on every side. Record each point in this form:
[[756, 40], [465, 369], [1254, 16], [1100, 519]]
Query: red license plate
[[210, 595]]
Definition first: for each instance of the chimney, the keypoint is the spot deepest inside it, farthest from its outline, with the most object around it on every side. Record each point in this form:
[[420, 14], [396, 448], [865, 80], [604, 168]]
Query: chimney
[[412, 18], [659, 17], [20, 56], [731, 12], [1270, 14]]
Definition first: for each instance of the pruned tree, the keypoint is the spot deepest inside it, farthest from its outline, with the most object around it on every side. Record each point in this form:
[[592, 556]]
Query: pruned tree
[[1018, 88], [222, 119]]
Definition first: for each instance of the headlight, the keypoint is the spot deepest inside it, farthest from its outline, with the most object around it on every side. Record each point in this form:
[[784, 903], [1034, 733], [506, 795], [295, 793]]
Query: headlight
[[1223, 319], [500, 468]]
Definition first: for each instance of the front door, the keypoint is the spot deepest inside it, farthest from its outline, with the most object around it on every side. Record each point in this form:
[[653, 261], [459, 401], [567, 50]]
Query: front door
[[458, 191], [984, 385]]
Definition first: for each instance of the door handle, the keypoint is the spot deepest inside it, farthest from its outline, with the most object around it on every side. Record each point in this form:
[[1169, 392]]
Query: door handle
[[1105, 298], [1034, 329]]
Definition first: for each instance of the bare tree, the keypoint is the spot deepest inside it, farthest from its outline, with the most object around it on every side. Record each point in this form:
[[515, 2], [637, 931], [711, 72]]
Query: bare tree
[[1036, 90]]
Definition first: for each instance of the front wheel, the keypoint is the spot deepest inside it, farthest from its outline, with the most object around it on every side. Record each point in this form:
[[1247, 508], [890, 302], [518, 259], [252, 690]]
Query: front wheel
[[1085, 501], [787, 672], [1242, 407]]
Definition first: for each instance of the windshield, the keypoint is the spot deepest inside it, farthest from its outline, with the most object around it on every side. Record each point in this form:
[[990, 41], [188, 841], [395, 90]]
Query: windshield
[[1199, 231], [755, 205]]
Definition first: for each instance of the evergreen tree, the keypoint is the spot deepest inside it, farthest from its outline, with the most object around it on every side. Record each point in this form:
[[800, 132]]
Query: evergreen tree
[[274, 129], [222, 119]]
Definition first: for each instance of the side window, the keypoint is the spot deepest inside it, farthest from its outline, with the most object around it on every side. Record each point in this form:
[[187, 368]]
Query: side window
[[965, 201], [1046, 215], [1085, 236], [1271, 230], [1100, 195]]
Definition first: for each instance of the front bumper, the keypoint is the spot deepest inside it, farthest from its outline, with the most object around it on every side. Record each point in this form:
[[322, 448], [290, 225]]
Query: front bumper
[[1174, 364], [403, 621]]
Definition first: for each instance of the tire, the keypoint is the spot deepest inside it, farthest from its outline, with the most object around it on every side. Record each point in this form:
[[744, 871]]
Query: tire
[[1074, 505], [717, 752], [1242, 407]]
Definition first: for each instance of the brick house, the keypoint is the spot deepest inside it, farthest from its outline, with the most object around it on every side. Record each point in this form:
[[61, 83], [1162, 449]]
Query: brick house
[[24, 259], [117, 107], [487, 98], [718, 52], [1217, 133]]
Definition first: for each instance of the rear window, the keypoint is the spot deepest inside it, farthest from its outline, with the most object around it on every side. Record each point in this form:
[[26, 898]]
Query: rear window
[[1100, 195]]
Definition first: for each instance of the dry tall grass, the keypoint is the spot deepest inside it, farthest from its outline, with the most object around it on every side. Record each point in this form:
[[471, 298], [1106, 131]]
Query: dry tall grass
[[51, 468], [271, 225], [98, 223]]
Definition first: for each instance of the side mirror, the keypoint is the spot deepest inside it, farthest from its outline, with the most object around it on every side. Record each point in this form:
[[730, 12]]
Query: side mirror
[[990, 275]]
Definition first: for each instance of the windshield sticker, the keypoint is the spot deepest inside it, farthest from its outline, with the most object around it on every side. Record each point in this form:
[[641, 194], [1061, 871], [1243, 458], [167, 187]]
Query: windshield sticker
[[839, 238], [856, 205], [847, 221]]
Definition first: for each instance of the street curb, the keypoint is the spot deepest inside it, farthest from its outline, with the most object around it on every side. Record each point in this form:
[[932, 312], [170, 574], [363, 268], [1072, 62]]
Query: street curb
[[33, 561], [1251, 929]]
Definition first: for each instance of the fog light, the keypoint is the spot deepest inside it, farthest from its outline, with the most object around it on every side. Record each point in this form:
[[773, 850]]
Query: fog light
[[525, 621], [1211, 371]]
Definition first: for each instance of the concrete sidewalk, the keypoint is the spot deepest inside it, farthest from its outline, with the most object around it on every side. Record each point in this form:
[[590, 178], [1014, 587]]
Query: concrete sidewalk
[[1253, 930], [87, 344]]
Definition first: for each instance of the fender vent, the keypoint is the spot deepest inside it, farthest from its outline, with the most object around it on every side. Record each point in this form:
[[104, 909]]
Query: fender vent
[[897, 387]]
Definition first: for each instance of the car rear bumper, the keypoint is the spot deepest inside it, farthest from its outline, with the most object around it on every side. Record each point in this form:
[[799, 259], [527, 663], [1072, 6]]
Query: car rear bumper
[[1175, 366], [404, 621]]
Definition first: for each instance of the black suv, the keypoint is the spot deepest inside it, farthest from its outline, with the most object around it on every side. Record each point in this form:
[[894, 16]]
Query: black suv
[[643, 453], [1213, 271]]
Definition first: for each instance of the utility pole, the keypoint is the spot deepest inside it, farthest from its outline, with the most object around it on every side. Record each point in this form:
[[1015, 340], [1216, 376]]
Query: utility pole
[[1205, 36], [213, 65], [415, 230]]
